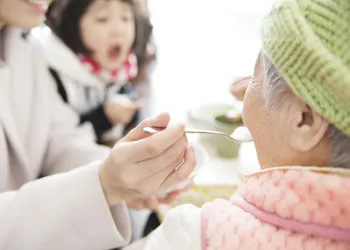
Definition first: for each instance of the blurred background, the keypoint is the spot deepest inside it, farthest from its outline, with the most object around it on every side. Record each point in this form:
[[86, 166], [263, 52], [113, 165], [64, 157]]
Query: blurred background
[[202, 46]]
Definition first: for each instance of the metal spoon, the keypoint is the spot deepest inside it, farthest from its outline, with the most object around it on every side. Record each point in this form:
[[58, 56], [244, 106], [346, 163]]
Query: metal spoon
[[241, 134]]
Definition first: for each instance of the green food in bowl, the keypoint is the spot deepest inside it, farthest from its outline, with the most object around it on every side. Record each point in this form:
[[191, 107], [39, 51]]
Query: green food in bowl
[[226, 148], [208, 117], [228, 120]]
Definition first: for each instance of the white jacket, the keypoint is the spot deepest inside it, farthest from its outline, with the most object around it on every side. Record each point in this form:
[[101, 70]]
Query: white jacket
[[39, 136], [181, 230]]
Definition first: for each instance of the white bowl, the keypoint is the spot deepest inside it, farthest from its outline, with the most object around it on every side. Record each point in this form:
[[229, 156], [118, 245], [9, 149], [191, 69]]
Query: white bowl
[[201, 159]]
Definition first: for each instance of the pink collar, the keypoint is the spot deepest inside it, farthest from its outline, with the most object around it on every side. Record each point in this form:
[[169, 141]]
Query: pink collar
[[309, 202], [314, 229]]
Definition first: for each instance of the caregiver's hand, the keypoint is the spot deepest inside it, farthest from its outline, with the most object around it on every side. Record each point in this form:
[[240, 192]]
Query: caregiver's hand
[[141, 165], [239, 87]]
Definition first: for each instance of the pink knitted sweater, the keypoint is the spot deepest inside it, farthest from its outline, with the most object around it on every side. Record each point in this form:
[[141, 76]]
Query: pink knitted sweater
[[282, 208]]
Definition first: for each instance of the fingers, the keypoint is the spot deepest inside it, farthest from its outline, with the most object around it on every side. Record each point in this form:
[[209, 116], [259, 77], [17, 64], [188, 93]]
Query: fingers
[[161, 120], [167, 161], [156, 144], [154, 182], [183, 172]]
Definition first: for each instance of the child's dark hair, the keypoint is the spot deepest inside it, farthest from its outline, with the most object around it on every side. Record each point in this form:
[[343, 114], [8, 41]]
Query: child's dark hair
[[63, 17]]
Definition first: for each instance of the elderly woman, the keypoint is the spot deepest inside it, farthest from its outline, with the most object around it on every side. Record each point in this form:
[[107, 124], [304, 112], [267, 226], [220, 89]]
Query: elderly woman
[[297, 108]]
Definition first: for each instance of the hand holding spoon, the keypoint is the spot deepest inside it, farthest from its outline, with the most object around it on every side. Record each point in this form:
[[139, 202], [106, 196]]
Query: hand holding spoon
[[241, 134]]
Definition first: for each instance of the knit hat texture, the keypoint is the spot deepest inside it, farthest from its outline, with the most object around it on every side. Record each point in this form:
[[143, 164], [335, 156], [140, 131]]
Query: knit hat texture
[[308, 41]]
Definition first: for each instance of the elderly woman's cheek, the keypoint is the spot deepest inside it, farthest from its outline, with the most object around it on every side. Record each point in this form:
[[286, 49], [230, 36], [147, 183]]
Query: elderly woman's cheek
[[246, 110], [252, 108]]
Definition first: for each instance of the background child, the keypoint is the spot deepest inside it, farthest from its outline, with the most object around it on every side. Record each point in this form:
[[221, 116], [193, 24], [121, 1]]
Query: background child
[[91, 53]]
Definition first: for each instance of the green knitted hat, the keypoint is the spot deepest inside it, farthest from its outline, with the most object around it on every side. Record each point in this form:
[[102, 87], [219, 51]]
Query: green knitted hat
[[309, 43]]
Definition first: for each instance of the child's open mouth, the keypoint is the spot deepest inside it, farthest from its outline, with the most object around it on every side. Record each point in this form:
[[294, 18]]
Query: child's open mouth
[[114, 52]]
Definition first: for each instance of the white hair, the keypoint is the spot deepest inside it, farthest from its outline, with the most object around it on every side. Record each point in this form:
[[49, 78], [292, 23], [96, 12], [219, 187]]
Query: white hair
[[277, 92]]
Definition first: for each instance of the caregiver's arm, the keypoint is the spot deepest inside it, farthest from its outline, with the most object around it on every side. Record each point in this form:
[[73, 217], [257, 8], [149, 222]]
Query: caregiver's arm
[[65, 211], [73, 210], [70, 145], [181, 229]]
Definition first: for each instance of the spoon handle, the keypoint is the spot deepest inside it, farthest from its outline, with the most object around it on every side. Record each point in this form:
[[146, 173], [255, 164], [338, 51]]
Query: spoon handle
[[209, 132], [154, 130]]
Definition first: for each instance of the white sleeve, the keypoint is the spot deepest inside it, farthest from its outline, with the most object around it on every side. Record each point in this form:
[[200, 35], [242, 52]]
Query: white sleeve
[[64, 211], [181, 230], [70, 145]]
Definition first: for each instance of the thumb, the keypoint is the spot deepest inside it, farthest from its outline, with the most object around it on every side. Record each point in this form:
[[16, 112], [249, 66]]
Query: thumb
[[161, 120]]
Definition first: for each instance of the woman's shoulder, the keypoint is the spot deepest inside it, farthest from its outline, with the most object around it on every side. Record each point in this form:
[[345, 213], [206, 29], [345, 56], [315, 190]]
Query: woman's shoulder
[[185, 214], [181, 229], [184, 222]]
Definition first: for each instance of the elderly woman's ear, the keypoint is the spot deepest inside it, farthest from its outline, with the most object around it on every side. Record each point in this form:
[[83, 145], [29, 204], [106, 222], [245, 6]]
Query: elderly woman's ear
[[307, 128], [239, 87]]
